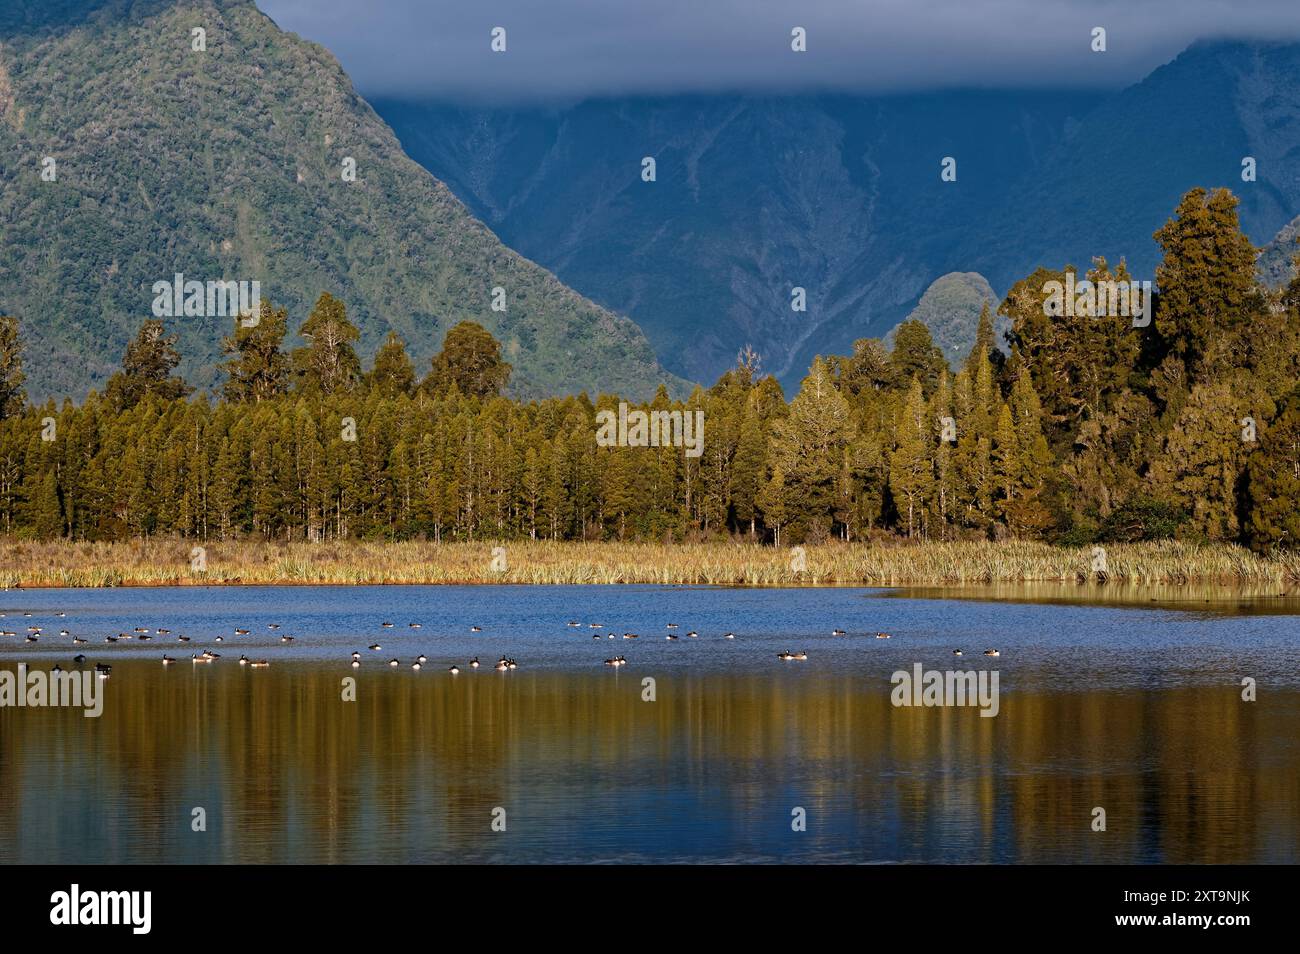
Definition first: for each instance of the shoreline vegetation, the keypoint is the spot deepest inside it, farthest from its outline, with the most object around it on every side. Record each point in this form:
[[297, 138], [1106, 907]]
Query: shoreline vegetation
[[1103, 424], [168, 562]]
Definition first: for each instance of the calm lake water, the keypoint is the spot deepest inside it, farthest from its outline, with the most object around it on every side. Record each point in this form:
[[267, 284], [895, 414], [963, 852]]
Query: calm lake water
[[1132, 705]]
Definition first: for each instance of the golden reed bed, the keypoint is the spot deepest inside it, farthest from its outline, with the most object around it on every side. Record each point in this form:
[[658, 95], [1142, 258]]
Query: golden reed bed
[[155, 562]]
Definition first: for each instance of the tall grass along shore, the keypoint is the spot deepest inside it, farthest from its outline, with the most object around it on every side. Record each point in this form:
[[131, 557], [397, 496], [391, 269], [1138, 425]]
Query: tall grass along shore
[[172, 561]]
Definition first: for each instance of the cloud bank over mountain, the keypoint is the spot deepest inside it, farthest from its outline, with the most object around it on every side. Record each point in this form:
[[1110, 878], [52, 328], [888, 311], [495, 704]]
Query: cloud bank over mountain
[[580, 48]]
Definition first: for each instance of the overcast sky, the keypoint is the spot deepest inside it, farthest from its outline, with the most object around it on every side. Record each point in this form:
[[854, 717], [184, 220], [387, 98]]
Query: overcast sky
[[576, 48]]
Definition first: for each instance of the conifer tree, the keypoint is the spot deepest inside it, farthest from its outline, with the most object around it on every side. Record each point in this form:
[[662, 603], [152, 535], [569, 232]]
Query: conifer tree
[[328, 363], [257, 369], [147, 369], [12, 396], [1273, 481], [393, 372], [911, 468], [1207, 276], [470, 361]]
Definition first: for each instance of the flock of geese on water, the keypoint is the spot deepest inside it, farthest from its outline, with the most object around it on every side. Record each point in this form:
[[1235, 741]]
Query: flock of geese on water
[[504, 664]]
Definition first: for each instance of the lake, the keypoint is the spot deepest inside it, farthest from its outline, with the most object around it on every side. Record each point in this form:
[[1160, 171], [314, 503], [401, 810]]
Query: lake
[[1131, 704]]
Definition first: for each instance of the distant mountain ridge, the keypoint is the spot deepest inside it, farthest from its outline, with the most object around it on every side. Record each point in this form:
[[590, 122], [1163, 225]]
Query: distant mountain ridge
[[226, 164], [754, 196], [841, 195]]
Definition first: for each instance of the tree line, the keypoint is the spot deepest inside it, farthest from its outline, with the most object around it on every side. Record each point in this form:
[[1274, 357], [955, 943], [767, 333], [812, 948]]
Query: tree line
[[1084, 428]]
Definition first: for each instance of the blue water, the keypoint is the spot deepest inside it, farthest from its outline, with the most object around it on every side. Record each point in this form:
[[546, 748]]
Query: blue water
[[1137, 709]]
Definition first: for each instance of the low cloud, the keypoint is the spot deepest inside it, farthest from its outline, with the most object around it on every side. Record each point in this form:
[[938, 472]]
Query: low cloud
[[578, 48]]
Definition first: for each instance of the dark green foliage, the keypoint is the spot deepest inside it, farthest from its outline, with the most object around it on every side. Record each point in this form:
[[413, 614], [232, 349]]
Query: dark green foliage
[[1273, 481], [1141, 519], [12, 394], [470, 361], [147, 369], [1094, 429], [228, 165]]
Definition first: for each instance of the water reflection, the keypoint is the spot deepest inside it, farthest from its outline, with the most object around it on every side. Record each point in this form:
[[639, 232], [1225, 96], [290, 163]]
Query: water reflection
[[587, 771]]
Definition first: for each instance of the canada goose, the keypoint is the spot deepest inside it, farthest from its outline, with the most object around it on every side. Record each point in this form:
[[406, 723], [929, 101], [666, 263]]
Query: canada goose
[[167, 660], [672, 626], [286, 639], [356, 664], [243, 660], [78, 659], [454, 670], [141, 629], [356, 656], [260, 664], [693, 635], [272, 625], [64, 632], [616, 662], [473, 663], [221, 639], [394, 663], [209, 654], [415, 666], [882, 635], [574, 623], [78, 641], [103, 670], [183, 638], [163, 632], [376, 647], [110, 639], [728, 635], [512, 664], [196, 659], [501, 666], [631, 636], [596, 625], [31, 639], [476, 629], [125, 636], [56, 668], [671, 636], [386, 625], [991, 652], [33, 629], [801, 655], [422, 658], [413, 625], [785, 656], [145, 638], [241, 632], [838, 632], [60, 615], [956, 652], [595, 635]]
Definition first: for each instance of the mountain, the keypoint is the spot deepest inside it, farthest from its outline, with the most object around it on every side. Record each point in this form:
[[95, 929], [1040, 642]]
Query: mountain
[[950, 308], [1276, 259], [841, 195], [228, 164], [753, 197], [1122, 169]]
